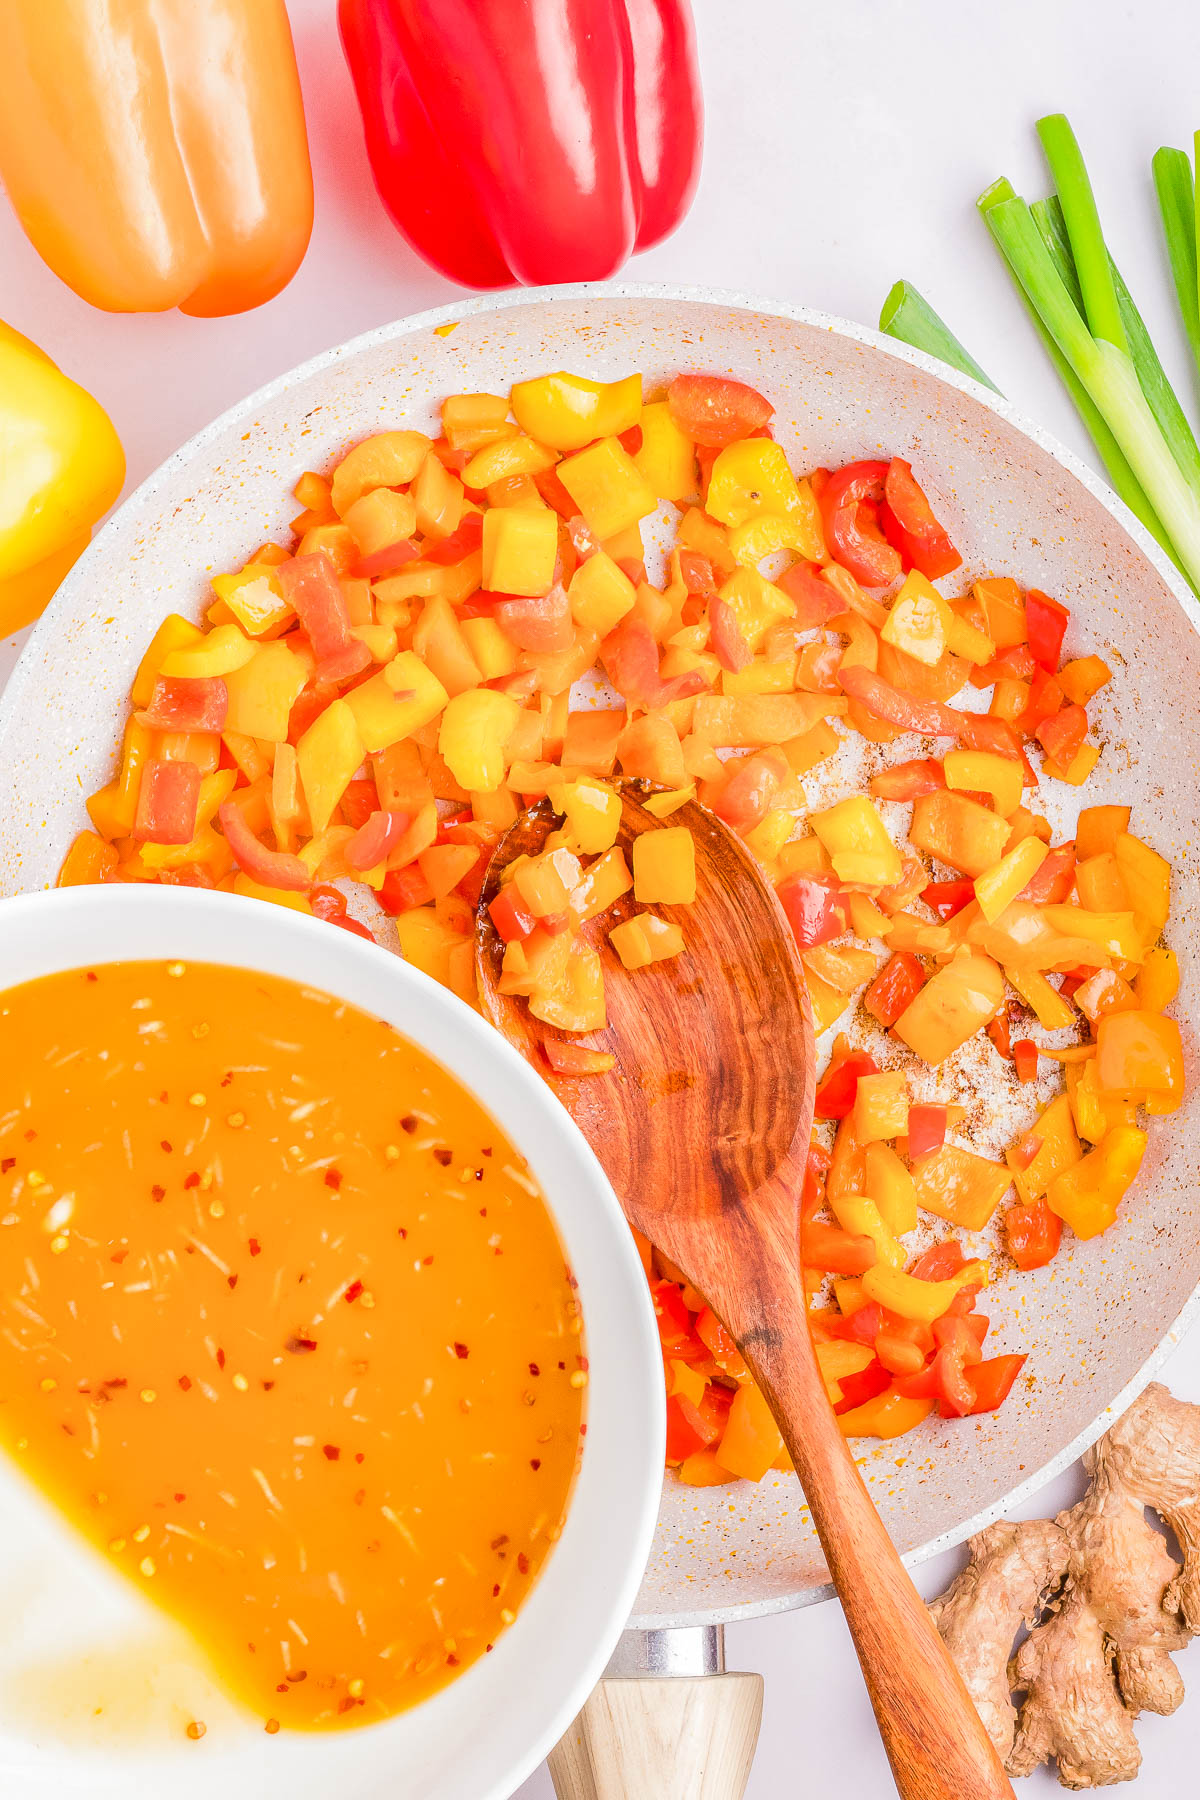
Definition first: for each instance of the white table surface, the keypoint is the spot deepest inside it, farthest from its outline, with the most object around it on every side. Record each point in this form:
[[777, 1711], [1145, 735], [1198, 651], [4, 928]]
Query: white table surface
[[846, 144]]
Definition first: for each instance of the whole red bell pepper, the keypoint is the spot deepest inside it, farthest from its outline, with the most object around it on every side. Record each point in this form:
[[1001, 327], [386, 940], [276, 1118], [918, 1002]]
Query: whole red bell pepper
[[528, 141]]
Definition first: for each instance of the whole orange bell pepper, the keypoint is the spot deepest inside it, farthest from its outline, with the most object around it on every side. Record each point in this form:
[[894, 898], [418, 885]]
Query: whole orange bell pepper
[[155, 150]]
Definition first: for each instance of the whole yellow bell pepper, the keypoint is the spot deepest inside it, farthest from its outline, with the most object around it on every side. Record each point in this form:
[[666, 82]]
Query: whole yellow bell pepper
[[155, 150], [61, 468]]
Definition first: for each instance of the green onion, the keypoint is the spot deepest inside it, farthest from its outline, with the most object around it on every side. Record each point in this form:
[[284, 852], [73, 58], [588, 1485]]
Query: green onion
[[1152, 377], [1095, 347], [1179, 201], [908, 316]]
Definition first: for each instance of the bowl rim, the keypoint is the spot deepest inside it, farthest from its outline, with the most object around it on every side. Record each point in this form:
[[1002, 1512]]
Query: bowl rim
[[453, 312], [57, 930]]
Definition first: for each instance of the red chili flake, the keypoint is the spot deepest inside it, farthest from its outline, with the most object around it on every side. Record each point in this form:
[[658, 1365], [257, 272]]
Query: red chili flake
[[445, 1157], [479, 1174], [461, 1351], [10, 1162], [185, 1382], [360, 1456], [583, 1431], [359, 1496], [522, 1562], [333, 1178], [451, 1660], [232, 1280], [220, 1359], [487, 1151], [163, 1098], [535, 1464], [91, 975], [158, 1193], [353, 1291], [118, 1256], [300, 1346], [401, 1232], [346, 1704], [192, 1179], [179, 1499], [499, 1543], [571, 1281], [331, 1452], [255, 1247], [483, 1212], [426, 1260], [496, 1591], [267, 1386], [69, 1429], [487, 1649], [190, 1248], [583, 1362], [227, 1078], [115, 1381], [281, 1687], [165, 1146], [562, 1365], [409, 1123], [533, 1369]]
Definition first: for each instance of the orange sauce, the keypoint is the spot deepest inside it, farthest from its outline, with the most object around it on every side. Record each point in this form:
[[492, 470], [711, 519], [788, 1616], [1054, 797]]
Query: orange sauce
[[285, 1328]]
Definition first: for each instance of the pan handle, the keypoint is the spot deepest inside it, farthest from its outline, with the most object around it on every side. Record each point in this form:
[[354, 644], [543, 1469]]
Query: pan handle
[[666, 1720]]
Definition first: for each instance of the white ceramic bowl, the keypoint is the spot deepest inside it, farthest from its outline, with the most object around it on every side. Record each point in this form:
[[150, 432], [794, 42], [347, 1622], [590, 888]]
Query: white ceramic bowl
[[74, 1634]]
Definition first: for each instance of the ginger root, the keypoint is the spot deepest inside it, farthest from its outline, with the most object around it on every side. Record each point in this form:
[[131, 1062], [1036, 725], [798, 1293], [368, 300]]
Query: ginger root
[[1113, 1604]]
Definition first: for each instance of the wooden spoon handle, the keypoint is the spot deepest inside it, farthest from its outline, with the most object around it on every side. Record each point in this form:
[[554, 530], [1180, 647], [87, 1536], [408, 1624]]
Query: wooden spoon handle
[[935, 1739], [674, 1737]]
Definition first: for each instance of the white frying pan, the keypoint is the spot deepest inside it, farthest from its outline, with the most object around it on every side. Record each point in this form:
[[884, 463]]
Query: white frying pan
[[1098, 1320]]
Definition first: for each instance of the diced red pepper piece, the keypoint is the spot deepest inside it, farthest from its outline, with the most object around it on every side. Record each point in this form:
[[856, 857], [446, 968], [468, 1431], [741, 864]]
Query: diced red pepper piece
[[1033, 1233], [720, 1345], [697, 573], [743, 796], [270, 868], [459, 545], [550, 487], [926, 1130], [359, 801], [1045, 698], [946, 898], [342, 665], [834, 1251], [939, 1262], [187, 703], [1062, 735], [944, 1377], [729, 646], [863, 1386], [908, 780], [1000, 1032], [167, 798], [894, 988], [848, 503], [816, 909], [1013, 664], [1052, 883], [404, 889], [387, 561], [538, 623], [630, 658], [512, 920], [812, 1193], [815, 600], [837, 1091], [991, 1381], [862, 1326], [187, 875], [714, 410], [310, 584], [566, 1058], [1025, 1059], [373, 842], [1046, 622], [674, 1319], [910, 527]]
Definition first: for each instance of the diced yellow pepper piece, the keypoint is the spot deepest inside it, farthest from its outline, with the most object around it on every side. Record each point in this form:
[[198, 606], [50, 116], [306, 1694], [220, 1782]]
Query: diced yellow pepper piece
[[958, 831], [952, 1006], [1048, 1005], [1115, 932], [175, 633], [768, 837], [603, 882], [1087, 1195], [439, 642], [881, 1106], [667, 457], [664, 867], [381, 518], [593, 814], [752, 477], [1098, 829], [858, 843], [253, 890], [1083, 677], [913, 1298], [919, 620], [568, 411], [263, 692], [223, 650], [389, 460], [812, 747], [752, 1440], [427, 942], [403, 697], [645, 939], [661, 806], [474, 730], [766, 534], [966, 640], [890, 1186], [471, 420], [326, 757], [1139, 1055], [956, 1184], [998, 886], [600, 594], [1100, 884], [254, 597], [1157, 981], [756, 604], [857, 1214], [608, 487], [520, 546], [985, 772], [1058, 1149], [886, 1416], [89, 860], [1147, 878], [700, 533], [1079, 767], [493, 653], [827, 1003]]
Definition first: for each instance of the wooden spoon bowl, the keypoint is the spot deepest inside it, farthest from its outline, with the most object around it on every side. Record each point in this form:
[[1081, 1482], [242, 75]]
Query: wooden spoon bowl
[[703, 1126]]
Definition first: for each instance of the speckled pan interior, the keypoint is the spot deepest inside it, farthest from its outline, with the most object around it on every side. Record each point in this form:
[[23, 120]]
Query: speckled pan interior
[[1096, 1321]]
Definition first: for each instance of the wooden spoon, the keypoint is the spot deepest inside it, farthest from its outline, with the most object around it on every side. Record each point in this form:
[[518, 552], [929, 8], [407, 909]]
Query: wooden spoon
[[703, 1128]]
